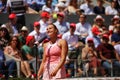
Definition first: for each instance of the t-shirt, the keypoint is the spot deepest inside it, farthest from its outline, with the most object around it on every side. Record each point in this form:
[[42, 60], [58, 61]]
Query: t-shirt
[[107, 50]]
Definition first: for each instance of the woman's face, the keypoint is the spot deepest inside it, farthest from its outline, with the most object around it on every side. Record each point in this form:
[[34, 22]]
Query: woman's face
[[51, 31], [14, 41], [2, 33]]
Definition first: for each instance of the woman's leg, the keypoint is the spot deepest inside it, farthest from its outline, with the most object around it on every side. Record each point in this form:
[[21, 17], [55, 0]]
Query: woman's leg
[[23, 69]]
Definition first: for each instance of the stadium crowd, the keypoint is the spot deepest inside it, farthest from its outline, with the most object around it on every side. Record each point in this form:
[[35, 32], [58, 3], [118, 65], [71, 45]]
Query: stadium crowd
[[94, 47]]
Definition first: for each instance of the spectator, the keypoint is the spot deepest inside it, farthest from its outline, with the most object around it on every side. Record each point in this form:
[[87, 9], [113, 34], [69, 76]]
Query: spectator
[[115, 37], [73, 47], [99, 8], [44, 21], [4, 37], [86, 7], [28, 53], [12, 25], [60, 7], [22, 36], [72, 8], [111, 10], [95, 36], [19, 7], [12, 54], [3, 6], [83, 28], [115, 20], [48, 6], [99, 23], [89, 53], [108, 55], [61, 24]]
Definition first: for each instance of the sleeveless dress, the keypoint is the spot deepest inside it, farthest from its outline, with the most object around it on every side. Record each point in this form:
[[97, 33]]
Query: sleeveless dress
[[53, 54]]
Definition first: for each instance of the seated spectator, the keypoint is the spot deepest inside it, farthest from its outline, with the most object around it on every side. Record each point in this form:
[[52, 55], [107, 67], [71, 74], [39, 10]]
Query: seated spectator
[[86, 7], [12, 25], [40, 4], [95, 36], [22, 35], [4, 37], [48, 6], [28, 53], [73, 47], [99, 23], [90, 55], [12, 54], [111, 10], [83, 28], [44, 21], [60, 7], [112, 26], [61, 24], [108, 55], [72, 8], [3, 6], [99, 8], [115, 37]]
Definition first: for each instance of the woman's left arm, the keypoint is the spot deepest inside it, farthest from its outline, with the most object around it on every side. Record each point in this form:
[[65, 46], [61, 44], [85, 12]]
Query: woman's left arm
[[64, 51]]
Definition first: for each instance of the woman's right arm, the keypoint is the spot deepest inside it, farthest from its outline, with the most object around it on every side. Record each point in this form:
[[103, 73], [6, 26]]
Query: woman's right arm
[[41, 69]]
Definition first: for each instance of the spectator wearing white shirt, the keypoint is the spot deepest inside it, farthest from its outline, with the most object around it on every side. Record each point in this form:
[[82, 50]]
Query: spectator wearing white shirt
[[44, 21], [73, 46], [86, 7], [83, 28], [111, 10], [61, 24], [48, 6]]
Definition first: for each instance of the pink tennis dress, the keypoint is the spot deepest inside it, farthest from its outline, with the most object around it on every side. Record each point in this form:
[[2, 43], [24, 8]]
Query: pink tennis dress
[[53, 54]]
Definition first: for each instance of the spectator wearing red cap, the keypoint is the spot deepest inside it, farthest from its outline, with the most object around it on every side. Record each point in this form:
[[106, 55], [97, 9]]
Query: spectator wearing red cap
[[73, 46], [83, 28], [19, 7], [89, 54], [13, 27], [108, 55], [44, 21], [61, 24], [28, 53], [95, 36]]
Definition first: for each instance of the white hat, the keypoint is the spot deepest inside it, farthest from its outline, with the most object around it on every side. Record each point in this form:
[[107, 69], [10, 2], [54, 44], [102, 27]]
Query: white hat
[[116, 17], [4, 26], [99, 17], [61, 4], [24, 28]]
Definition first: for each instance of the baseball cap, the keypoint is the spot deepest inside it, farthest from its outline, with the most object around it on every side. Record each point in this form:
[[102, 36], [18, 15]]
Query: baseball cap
[[12, 16], [105, 36], [73, 25], [116, 17], [36, 24], [90, 40], [95, 30], [61, 14], [45, 14], [28, 39]]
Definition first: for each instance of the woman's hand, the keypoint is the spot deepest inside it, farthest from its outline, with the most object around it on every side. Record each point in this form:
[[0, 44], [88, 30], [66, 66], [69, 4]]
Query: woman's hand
[[53, 73]]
